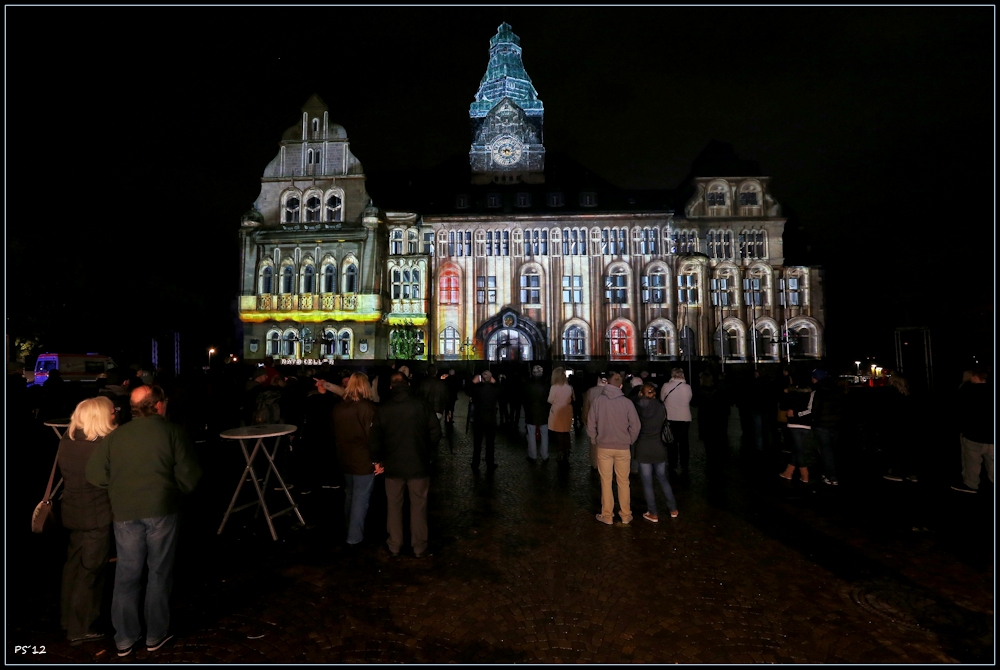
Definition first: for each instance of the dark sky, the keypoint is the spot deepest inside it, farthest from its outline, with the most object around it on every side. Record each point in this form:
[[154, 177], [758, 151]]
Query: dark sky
[[136, 137]]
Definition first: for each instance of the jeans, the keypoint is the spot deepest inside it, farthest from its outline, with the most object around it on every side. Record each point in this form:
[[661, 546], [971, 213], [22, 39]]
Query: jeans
[[799, 437], [614, 461], [646, 470], [357, 493], [828, 438], [151, 542], [532, 444], [973, 456]]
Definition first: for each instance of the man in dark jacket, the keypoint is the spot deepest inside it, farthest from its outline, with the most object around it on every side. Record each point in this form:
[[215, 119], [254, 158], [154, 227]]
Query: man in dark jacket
[[147, 465], [828, 406], [976, 407], [485, 397], [403, 437], [536, 413]]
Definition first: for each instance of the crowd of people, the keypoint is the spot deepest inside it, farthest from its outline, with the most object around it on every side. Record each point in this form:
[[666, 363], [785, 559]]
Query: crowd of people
[[128, 459]]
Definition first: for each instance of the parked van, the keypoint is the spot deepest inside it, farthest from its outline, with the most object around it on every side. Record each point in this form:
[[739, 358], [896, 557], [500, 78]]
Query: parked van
[[72, 367]]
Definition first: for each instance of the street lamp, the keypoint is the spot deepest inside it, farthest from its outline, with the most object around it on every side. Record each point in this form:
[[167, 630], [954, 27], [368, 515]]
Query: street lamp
[[210, 352]]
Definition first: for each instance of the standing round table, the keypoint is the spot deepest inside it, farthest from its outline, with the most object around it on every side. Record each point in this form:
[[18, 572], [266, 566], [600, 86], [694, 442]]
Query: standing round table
[[259, 433], [58, 425]]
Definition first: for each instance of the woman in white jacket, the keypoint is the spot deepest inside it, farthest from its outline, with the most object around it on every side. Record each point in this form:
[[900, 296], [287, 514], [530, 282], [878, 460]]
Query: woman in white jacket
[[676, 397]]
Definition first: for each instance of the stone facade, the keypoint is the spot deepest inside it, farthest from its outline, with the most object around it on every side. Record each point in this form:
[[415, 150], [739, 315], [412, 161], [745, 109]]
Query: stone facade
[[514, 266]]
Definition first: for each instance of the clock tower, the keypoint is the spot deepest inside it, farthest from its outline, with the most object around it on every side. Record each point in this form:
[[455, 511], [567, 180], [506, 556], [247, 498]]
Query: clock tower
[[506, 119]]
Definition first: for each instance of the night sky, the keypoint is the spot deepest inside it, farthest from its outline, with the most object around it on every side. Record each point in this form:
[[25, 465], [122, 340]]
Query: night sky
[[136, 137]]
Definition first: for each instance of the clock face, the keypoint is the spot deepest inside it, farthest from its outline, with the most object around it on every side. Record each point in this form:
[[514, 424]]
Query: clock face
[[506, 150]]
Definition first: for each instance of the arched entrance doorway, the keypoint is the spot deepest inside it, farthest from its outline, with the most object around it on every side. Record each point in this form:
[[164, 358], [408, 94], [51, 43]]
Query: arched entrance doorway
[[508, 344], [508, 336]]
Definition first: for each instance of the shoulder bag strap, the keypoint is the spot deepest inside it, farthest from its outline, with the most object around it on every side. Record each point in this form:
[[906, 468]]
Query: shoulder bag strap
[[48, 488]]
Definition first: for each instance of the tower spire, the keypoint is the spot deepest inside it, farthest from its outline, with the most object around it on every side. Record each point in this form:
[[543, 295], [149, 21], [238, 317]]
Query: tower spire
[[505, 77]]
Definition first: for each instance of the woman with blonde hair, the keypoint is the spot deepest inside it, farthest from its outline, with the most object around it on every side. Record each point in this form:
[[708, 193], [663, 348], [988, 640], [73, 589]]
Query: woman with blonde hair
[[86, 514], [352, 423], [560, 414]]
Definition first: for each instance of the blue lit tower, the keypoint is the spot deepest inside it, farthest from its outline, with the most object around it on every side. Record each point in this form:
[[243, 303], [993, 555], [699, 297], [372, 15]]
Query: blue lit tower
[[506, 119]]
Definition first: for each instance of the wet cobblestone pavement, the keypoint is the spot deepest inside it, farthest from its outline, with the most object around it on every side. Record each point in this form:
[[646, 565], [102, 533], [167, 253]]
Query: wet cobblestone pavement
[[752, 571]]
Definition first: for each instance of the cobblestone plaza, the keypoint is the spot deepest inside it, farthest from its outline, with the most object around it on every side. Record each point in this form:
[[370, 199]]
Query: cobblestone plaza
[[752, 571]]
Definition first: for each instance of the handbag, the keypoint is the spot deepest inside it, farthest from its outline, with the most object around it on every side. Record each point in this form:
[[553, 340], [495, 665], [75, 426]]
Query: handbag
[[666, 434], [44, 515]]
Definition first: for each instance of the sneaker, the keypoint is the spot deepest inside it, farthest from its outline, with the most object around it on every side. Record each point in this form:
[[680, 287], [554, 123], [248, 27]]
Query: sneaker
[[830, 482], [626, 522], [892, 478], [154, 647], [651, 517], [963, 488], [122, 653], [674, 513], [602, 519], [912, 478]]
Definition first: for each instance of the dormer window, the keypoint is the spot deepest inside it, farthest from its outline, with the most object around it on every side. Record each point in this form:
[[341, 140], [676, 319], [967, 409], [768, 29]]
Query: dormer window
[[315, 125], [524, 200], [588, 199], [493, 200], [461, 202], [396, 244], [716, 199], [748, 198], [555, 199]]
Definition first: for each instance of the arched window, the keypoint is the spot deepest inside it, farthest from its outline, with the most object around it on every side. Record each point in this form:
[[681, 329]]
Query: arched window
[[449, 287], [329, 346], [287, 279], [267, 280], [574, 342], [290, 343], [313, 208], [658, 344], [292, 208], [333, 208], [531, 287], [345, 343], [351, 279], [274, 344], [411, 241], [309, 279], [307, 341], [406, 284], [620, 340], [654, 286], [687, 287], [315, 125], [450, 341], [415, 286], [397, 280], [616, 286], [330, 279]]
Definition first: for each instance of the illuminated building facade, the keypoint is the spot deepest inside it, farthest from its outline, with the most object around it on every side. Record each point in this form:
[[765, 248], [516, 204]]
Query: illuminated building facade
[[517, 256]]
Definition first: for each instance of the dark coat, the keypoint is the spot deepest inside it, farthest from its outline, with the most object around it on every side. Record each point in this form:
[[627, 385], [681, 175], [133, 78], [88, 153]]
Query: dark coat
[[404, 435], [828, 404], [436, 392], [352, 424], [84, 506], [485, 397], [536, 403], [649, 447], [975, 412]]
